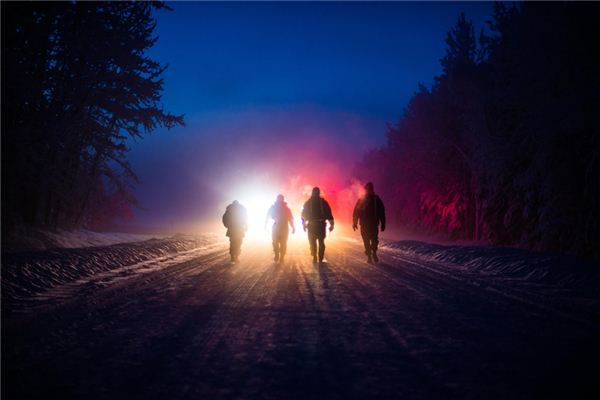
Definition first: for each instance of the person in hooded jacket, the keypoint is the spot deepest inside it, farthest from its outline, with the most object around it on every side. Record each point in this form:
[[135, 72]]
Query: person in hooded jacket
[[281, 214], [235, 220], [370, 213], [315, 214]]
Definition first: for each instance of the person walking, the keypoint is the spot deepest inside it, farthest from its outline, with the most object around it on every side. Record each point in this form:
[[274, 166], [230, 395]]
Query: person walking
[[235, 220], [370, 213], [281, 214], [315, 214]]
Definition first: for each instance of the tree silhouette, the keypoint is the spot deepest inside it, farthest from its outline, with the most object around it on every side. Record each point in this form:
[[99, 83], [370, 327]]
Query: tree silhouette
[[76, 85], [505, 146]]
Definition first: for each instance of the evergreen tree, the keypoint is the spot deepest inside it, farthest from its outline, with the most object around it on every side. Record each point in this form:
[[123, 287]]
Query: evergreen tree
[[76, 85], [506, 145]]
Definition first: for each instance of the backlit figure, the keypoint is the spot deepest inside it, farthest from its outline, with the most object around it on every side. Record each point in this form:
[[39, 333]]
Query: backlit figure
[[282, 215], [369, 211], [235, 220], [315, 214]]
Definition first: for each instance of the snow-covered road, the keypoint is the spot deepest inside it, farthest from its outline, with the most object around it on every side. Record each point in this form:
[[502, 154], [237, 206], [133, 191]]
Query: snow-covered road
[[190, 325]]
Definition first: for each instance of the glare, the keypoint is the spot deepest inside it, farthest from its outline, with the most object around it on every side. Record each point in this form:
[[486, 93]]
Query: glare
[[257, 201]]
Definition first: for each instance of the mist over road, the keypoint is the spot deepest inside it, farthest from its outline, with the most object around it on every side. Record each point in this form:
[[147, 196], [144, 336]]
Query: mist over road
[[194, 326]]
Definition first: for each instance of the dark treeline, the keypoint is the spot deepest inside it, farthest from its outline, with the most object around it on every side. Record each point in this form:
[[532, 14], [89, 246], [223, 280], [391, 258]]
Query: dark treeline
[[76, 84], [505, 145]]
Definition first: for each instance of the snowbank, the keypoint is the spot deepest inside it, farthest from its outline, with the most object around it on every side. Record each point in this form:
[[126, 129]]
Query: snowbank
[[27, 273], [509, 263], [31, 239]]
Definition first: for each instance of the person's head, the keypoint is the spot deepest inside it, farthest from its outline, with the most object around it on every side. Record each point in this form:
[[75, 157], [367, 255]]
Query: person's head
[[235, 202], [316, 192], [369, 188], [280, 198]]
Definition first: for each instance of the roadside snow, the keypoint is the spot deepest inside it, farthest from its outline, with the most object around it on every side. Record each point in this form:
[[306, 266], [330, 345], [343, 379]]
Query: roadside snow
[[25, 274], [86, 238], [31, 239], [509, 263]]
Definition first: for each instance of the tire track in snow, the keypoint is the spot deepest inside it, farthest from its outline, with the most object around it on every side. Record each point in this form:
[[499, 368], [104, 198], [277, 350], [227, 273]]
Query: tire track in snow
[[197, 327]]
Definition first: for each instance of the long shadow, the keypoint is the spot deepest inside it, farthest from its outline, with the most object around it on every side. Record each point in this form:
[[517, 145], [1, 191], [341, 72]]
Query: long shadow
[[324, 271]]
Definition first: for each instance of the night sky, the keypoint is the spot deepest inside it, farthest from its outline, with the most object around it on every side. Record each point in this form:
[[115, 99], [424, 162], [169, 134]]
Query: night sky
[[279, 97]]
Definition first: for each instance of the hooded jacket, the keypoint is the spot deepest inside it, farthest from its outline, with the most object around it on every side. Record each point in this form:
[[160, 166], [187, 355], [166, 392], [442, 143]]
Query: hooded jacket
[[369, 211], [235, 219]]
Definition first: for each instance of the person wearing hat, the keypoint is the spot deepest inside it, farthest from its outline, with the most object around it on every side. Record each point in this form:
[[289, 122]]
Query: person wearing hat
[[315, 214], [370, 213], [235, 220], [281, 214]]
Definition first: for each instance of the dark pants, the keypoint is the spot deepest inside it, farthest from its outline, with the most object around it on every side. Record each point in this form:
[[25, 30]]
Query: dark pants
[[316, 233], [370, 238], [280, 238], [235, 245]]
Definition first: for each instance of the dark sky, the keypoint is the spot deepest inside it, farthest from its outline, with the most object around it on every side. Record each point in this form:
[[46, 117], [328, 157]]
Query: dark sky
[[278, 95]]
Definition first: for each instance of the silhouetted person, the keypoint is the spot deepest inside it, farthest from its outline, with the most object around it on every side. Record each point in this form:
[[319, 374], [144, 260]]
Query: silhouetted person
[[315, 213], [369, 211], [235, 220], [282, 215]]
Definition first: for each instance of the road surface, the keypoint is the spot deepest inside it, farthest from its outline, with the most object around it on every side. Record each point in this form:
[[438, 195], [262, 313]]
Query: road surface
[[195, 327]]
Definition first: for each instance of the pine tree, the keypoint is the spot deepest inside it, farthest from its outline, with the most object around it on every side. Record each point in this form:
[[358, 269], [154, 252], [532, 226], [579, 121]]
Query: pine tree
[[76, 85]]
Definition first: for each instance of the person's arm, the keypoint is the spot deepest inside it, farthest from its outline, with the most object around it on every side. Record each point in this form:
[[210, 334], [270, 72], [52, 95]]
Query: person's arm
[[303, 217], [355, 216], [381, 215], [329, 215], [226, 219]]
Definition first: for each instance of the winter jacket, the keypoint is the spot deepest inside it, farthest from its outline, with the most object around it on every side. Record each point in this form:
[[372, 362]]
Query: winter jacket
[[235, 219], [316, 209], [281, 214], [369, 211]]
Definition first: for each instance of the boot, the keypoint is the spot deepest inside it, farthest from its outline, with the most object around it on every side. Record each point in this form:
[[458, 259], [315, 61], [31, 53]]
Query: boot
[[375, 258], [314, 258], [276, 258], [321, 255], [369, 260]]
